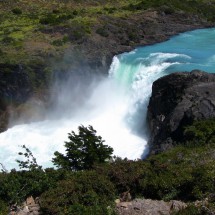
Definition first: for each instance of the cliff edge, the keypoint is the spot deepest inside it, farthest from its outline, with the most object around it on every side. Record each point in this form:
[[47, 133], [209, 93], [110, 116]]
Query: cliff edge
[[178, 100]]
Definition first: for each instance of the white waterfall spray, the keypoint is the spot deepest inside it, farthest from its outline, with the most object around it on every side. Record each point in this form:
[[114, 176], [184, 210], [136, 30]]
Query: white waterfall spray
[[116, 108]]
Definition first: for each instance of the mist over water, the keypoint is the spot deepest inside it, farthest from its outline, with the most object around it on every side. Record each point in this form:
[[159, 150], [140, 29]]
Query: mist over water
[[115, 106]]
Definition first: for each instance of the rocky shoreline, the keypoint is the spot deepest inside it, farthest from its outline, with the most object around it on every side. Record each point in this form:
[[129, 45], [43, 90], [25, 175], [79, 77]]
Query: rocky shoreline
[[145, 28]]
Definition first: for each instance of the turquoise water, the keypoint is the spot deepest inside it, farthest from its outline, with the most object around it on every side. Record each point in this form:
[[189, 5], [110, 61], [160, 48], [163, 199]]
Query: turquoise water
[[117, 106], [135, 71], [185, 52]]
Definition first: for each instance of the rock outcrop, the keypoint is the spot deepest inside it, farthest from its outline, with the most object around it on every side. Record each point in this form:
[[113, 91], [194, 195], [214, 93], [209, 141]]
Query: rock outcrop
[[149, 207], [15, 88], [177, 100], [30, 207]]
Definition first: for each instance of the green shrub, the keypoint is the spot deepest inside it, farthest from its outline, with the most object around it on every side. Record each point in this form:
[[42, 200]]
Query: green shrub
[[3, 207], [102, 31], [49, 19], [110, 9], [167, 10], [190, 210], [56, 11], [55, 18], [1, 52], [57, 42], [125, 175], [75, 12], [8, 40], [17, 11], [185, 173], [201, 132], [17, 185], [80, 193]]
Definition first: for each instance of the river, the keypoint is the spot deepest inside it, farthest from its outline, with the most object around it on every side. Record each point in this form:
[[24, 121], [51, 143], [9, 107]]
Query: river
[[116, 106]]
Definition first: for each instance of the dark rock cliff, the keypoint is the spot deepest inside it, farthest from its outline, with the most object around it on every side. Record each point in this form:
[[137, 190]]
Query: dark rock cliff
[[177, 100], [15, 88]]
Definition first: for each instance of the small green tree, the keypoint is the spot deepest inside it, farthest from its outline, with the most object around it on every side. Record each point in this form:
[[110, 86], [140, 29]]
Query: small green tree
[[83, 150], [30, 163]]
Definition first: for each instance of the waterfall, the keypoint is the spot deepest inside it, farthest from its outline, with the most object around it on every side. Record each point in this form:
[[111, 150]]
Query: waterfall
[[115, 106]]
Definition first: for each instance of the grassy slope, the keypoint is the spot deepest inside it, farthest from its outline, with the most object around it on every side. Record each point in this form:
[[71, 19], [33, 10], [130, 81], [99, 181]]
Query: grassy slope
[[37, 29], [34, 34], [34, 30]]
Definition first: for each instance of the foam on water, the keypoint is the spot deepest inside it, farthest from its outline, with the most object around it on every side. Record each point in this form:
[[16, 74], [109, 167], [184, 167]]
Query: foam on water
[[117, 106]]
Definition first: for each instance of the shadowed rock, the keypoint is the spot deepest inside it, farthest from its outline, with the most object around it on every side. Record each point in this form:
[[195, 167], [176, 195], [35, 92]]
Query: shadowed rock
[[177, 100]]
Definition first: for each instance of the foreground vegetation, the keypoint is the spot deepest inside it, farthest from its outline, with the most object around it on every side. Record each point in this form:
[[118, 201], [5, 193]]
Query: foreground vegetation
[[184, 173]]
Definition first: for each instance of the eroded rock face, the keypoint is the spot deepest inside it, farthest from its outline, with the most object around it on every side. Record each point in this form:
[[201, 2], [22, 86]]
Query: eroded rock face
[[177, 100]]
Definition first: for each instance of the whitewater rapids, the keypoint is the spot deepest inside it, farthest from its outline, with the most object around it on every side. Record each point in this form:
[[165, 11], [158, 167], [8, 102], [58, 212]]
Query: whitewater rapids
[[116, 106]]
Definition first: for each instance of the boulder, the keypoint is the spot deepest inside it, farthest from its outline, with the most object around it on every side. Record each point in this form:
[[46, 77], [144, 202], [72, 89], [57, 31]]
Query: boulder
[[29, 207], [149, 207], [176, 101]]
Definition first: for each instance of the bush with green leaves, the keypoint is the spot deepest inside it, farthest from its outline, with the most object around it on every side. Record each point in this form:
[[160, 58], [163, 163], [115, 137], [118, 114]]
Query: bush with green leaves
[[83, 150], [85, 192], [16, 186], [17, 11], [201, 132], [31, 180], [3, 207], [55, 18], [102, 31], [190, 210], [185, 172]]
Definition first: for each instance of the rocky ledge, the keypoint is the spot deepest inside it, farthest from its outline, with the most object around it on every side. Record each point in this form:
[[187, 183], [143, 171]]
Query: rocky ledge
[[177, 100]]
